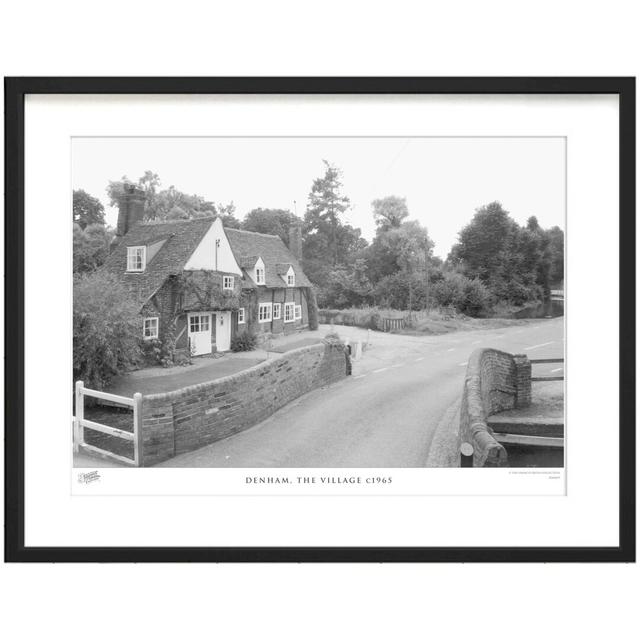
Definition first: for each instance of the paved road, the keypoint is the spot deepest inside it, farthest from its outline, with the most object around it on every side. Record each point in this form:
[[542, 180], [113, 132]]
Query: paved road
[[384, 415]]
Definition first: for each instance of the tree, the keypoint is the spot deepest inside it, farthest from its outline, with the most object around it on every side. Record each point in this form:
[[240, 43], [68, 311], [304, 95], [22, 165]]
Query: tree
[[90, 247], [177, 213], [325, 206], [389, 212], [162, 204], [106, 329], [398, 248], [347, 286], [514, 262], [86, 209], [556, 256], [485, 241], [227, 213], [275, 222]]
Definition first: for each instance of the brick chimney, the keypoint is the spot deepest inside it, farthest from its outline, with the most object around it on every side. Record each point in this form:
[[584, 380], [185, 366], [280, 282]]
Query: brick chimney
[[131, 209], [295, 239]]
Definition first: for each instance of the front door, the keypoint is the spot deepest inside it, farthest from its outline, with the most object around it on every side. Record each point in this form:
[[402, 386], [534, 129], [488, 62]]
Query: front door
[[200, 333], [223, 330]]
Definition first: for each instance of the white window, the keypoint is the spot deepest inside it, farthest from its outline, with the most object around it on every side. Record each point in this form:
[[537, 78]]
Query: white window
[[150, 328], [264, 312], [298, 312], [241, 315], [291, 280], [259, 275], [227, 282], [277, 311], [289, 311], [199, 323], [136, 258]]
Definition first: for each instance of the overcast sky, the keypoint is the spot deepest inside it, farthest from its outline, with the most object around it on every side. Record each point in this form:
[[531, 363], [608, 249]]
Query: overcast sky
[[443, 179]]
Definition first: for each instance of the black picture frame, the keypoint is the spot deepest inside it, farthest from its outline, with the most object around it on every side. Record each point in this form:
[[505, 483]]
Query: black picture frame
[[15, 91]]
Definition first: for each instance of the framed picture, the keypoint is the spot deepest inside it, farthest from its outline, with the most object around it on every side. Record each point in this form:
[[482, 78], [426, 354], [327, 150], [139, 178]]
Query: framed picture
[[320, 319]]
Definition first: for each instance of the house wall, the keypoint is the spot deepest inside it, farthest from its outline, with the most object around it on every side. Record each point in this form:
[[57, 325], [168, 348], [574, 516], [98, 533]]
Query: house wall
[[286, 294], [251, 300], [196, 416], [204, 257], [163, 306]]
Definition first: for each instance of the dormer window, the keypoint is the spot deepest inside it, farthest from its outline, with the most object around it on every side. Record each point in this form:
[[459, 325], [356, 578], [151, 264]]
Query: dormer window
[[136, 258], [291, 279], [227, 283], [259, 275]]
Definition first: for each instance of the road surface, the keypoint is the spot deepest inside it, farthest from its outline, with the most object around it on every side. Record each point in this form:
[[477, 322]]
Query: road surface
[[386, 413]]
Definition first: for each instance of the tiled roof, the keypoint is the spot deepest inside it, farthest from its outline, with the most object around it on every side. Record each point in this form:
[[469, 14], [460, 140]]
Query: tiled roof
[[282, 268], [272, 251], [247, 262], [183, 236]]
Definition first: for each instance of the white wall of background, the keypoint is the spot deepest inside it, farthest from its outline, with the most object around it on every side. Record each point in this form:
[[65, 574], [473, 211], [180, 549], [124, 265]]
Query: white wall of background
[[331, 38]]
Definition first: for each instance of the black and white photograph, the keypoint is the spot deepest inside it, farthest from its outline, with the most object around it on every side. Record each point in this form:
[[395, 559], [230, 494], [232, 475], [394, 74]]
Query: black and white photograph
[[296, 326], [318, 302]]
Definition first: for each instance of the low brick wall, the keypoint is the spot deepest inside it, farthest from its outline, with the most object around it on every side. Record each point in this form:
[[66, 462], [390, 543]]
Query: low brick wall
[[193, 417], [495, 381]]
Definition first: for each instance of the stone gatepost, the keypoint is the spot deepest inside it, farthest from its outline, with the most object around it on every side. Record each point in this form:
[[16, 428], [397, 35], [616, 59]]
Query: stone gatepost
[[523, 381]]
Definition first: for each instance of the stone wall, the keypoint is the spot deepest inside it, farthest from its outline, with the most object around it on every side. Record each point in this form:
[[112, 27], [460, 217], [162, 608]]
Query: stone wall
[[193, 417], [495, 381]]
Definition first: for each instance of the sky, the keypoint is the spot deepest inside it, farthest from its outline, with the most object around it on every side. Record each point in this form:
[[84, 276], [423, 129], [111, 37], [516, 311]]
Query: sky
[[443, 180]]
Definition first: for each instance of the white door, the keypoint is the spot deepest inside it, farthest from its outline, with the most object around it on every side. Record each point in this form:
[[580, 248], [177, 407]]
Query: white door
[[223, 331], [200, 333]]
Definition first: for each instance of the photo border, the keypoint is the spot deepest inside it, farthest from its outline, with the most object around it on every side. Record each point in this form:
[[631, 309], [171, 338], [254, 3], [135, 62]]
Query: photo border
[[15, 91]]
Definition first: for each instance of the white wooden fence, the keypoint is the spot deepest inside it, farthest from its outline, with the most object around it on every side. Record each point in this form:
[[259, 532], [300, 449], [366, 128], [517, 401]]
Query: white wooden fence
[[80, 423]]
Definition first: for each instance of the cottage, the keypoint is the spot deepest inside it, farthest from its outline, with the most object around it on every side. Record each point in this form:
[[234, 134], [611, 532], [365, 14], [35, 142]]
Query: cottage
[[200, 284]]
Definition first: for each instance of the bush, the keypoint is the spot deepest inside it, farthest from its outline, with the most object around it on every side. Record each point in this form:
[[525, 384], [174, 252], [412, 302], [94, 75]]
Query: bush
[[467, 296], [244, 342], [160, 352], [106, 329]]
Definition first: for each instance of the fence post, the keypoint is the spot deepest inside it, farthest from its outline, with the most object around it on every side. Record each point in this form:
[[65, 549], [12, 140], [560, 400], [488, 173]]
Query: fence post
[[137, 429], [78, 429]]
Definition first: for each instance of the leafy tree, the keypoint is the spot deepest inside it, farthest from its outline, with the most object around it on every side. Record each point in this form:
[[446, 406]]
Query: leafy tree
[[513, 261], [177, 213], [325, 206], [389, 212], [394, 249], [227, 213], [556, 255], [347, 287], [106, 329], [86, 209], [90, 247], [275, 222], [169, 203], [484, 243], [401, 290]]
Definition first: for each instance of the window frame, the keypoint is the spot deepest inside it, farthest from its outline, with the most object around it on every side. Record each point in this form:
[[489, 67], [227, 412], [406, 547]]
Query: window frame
[[277, 306], [144, 327], [200, 323], [265, 305], [260, 275], [224, 280], [291, 279], [297, 312], [143, 258], [290, 305], [241, 315]]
